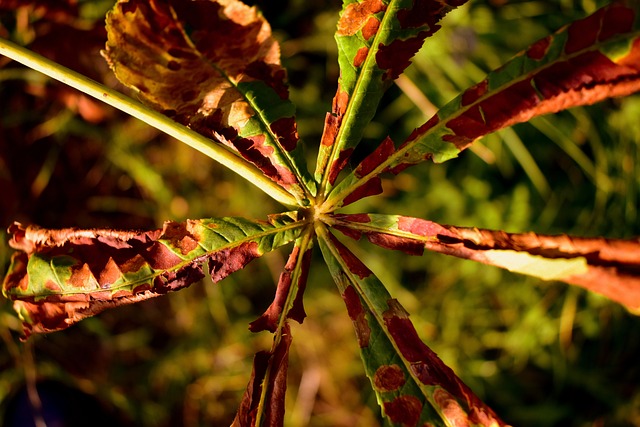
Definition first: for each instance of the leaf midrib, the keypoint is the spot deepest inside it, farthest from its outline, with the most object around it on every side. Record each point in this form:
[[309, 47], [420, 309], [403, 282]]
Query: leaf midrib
[[335, 197], [363, 78]]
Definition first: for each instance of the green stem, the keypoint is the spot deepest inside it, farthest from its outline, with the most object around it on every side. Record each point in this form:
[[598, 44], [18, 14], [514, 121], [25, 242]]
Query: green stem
[[149, 116]]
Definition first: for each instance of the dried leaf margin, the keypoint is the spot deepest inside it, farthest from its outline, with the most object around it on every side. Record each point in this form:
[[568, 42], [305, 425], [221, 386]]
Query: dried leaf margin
[[59, 277], [610, 267]]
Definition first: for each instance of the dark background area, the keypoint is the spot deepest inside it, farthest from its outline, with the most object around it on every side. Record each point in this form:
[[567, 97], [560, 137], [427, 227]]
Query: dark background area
[[540, 353]]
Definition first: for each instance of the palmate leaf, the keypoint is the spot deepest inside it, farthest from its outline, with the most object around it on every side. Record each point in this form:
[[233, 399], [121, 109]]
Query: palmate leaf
[[583, 63], [59, 277], [376, 41], [414, 387], [610, 267], [213, 66]]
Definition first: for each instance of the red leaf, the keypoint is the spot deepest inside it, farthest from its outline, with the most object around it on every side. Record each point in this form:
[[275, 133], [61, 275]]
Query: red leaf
[[270, 371]]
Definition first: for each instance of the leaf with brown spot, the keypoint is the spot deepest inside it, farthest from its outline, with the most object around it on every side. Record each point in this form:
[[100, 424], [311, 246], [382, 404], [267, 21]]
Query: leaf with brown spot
[[376, 41], [407, 376], [287, 303], [610, 267], [263, 401], [214, 67], [59, 277], [585, 62]]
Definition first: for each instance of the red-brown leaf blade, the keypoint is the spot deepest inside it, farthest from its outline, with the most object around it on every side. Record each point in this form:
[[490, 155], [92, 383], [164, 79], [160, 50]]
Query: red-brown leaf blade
[[59, 277], [610, 267], [287, 302], [263, 401], [214, 66]]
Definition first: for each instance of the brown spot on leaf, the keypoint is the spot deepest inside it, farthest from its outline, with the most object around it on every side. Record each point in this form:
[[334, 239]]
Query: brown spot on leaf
[[357, 314], [356, 14], [339, 164], [388, 378], [330, 131], [17, 277], [179, 236], [361, 217], [397, 243], [109, 274], [539, 49], [404, 410], [617, 19], [340, 102], [83, 278], [472, 94], [257, 152], [422, 227], [353, 263], [286, 131], [52, 286], [450, 408], [134, 264], [373, 160], [583, 33], [160, 256], [422, 129], [372, 187], [396, 57], [360, 57], [276, 364], [350, 232], [269, 319], [224, 262], [370, 28]]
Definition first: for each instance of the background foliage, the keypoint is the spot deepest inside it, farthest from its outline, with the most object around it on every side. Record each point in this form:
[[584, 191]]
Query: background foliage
[[539, 353]]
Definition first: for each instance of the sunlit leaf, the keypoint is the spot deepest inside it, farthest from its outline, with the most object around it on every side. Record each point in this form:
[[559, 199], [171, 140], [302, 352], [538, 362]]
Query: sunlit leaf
[[59, 277], [376, 41], [213, 66], [610, 267], [414, 387], [583, 63]]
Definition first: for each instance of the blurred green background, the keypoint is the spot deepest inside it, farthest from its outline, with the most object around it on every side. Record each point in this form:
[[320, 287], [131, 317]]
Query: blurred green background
[[541, 354]]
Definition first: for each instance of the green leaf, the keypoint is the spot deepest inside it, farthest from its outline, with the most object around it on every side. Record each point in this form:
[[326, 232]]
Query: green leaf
[[610, 267], [376, 41], [214, 67], [59, 277], [583, 63], [413, 386]]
